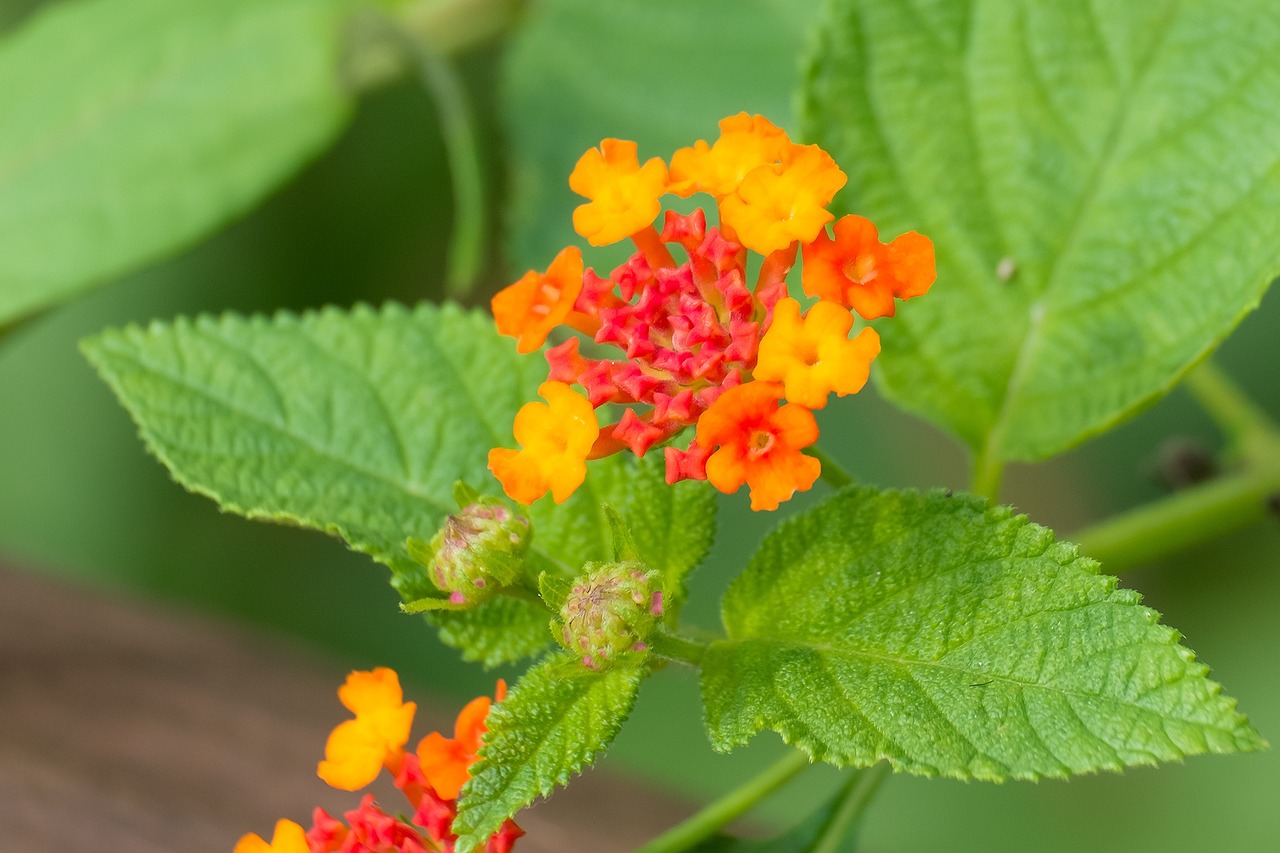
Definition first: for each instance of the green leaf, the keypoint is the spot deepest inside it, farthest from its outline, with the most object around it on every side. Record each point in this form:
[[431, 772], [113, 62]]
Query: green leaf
[[661, 72], [360, 423], [133, 129], [553, 724], [953, 639], [1118, 159]]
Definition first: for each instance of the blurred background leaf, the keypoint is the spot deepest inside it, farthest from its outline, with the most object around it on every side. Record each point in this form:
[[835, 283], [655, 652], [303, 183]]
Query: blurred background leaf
[[369, 221], [134, 128]]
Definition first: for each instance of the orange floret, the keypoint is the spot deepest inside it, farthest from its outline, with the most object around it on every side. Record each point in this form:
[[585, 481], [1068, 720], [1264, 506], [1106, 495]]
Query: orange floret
[[746, 142], [529, 309], [813, 356], [777, 205], [624, 195], [759, 444], [446, 762], [556, 438], [289, 837], [358, 749], [858, 271]]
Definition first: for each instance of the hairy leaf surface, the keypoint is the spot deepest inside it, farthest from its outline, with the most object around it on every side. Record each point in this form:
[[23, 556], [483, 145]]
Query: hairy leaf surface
[[555, 722], [953, 639], [1101, 181], [359, 423]]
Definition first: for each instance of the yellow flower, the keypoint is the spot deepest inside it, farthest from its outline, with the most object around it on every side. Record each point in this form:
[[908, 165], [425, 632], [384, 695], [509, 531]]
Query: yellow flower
[[745, 143], [357, 749], [813, 356], [624, 195], [555, 438], [777, 205], [529, 309], [288, 838]]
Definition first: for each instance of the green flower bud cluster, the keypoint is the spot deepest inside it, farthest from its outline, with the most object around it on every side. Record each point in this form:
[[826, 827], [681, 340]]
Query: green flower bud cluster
[[478, 551], [612, 609]]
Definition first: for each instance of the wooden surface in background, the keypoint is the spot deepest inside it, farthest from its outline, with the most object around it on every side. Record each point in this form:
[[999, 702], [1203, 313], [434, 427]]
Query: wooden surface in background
[[130, 727]]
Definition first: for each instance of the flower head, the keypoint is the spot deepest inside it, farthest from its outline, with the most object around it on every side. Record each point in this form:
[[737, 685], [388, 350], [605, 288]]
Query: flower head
[[813, 356], [357, 749], [623, 194], [529, 309], [446, 762], [288, 838], [555, 440], [759, 444], [858, 271]]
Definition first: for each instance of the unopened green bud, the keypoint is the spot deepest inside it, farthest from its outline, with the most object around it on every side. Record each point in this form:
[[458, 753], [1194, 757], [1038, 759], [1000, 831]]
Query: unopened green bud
[[478, 551], [612, 609]]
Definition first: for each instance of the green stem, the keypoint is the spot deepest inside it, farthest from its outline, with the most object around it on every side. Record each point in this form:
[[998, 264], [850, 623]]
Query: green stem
[[1240, 420], [833, 473], [1209, 510], [988, 470], [676, 647], [709, 820], [466, 242], [1183, 519], [858, 794]]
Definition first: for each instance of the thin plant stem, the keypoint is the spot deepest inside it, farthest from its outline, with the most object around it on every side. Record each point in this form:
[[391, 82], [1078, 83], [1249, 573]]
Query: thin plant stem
[[457, 125], [988, 471], [676, 647], [858, 794], [833, 473], [1236, 415], [715, 816]]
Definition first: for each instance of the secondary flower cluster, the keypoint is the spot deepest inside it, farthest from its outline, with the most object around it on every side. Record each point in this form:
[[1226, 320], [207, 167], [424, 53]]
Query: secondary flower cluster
[[430, 778], [699, 347]]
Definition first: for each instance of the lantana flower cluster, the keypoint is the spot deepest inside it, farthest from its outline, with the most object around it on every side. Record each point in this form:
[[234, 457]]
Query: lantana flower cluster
[[744, 365], [431, 777]]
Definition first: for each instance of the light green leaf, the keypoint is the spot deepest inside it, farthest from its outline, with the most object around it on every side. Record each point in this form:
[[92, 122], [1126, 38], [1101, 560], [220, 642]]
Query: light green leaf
[[661, 72], [1101, 181], [359, 424], [953, 639], [135, 128], [553, 724]]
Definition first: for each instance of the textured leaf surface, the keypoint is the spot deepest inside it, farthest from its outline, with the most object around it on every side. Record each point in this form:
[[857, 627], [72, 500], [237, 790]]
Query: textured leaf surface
[[555, 722], [661, 72], [1121, 160], [953, 639], [359, 423], [131, 129]]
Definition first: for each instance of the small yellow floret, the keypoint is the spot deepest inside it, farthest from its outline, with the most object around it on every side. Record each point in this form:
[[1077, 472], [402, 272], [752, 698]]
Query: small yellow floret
[[777, 205], [746, 142], [812, 356], [555, 439], [357, 749], [624, 195]]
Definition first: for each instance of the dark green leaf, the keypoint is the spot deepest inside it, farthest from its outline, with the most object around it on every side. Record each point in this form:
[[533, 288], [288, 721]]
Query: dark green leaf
[[953, 639]]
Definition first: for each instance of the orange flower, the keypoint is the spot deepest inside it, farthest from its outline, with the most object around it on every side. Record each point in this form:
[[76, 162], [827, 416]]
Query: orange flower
[[624, 195], [529, 309], [555, 438], [745, 143], [858, 271], [776, 205], [759, 444], [357, 749], [288, 838], [446, 762], [813, 357]]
